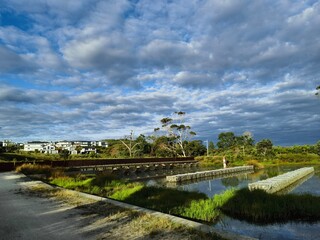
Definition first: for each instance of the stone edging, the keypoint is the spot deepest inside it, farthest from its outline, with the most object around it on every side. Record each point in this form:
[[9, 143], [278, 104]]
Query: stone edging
[[192, 224]]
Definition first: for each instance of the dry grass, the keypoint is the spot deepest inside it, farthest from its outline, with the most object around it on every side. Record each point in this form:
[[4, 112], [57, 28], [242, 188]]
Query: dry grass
[[117, 223]]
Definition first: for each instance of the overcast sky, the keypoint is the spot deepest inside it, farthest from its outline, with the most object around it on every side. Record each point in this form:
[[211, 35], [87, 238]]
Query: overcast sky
[[93, 69]]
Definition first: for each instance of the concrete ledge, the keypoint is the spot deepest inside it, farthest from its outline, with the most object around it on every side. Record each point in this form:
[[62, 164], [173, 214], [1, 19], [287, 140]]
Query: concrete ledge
[[275, 184], [204, 174], [192, 224]]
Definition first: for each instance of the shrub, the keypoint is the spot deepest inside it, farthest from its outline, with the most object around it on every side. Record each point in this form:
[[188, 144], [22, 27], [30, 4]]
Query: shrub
[[255, 163], [29, 169], [210, 160], [199, 158], [298, 157]]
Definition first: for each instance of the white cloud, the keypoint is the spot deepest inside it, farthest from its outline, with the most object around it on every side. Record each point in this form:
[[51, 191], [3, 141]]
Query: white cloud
[[107, 67]]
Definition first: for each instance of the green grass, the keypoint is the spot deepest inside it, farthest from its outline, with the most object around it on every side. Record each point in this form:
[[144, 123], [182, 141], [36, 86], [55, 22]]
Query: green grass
[[125, 193], [256, 206], [163, 199], [260, 207], [206, 209], [72, 183]]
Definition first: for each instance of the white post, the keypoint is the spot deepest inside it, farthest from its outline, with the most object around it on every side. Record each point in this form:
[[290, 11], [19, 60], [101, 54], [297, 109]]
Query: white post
[[207, 147]]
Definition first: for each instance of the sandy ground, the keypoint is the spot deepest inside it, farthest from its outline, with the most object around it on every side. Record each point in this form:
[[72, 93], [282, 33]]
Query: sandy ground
[[31, 210]]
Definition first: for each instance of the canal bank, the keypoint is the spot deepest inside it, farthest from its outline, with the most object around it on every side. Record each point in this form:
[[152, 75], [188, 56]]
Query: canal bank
[[101, 200], [278, 231]]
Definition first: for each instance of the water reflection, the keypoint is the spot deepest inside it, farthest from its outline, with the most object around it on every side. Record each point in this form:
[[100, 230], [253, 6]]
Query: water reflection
[[287, 231], [229, 179], [218, 184]]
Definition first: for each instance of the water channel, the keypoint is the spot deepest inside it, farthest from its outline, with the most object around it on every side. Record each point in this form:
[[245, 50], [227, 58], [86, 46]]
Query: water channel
[[286, 231]]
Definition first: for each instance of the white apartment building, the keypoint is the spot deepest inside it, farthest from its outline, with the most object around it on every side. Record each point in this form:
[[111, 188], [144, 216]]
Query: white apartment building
[[53, 148], [43, 147]]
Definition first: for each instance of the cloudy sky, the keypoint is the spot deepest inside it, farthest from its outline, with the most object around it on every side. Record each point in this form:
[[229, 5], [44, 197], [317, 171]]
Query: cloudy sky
[[94, 69]]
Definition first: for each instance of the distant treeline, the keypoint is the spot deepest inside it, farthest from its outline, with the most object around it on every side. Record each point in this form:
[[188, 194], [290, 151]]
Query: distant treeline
[[233, 147]]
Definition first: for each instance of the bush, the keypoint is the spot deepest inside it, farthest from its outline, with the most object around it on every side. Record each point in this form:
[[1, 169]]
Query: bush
[[297, 157], [210, 160], [255, 163], [29, 169]]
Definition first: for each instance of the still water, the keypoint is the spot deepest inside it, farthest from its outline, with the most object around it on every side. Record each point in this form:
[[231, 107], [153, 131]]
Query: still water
[[287, 231]]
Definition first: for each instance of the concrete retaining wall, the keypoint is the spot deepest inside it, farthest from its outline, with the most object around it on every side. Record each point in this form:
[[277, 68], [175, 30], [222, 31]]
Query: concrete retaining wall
[[205, 174], [275, 184]]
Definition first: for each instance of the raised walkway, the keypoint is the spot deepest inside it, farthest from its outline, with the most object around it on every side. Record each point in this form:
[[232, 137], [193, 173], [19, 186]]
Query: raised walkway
[[275, 184], [206, 174]]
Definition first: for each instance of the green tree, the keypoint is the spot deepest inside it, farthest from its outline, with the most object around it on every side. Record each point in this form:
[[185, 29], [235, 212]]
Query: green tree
[[211, 147], [143, 146], [317, 147], [10, 146], [245, 141], [162, 147], [116, 149], [226, 140], [264, 148], [178, 134], [318, 90], [195, 148], [64, 154]]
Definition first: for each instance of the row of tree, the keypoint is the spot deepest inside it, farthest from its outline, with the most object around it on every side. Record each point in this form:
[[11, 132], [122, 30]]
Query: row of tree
[[174, 139]]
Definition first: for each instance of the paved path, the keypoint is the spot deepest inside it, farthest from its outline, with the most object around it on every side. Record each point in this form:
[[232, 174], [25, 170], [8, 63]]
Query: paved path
[[27, 217]]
